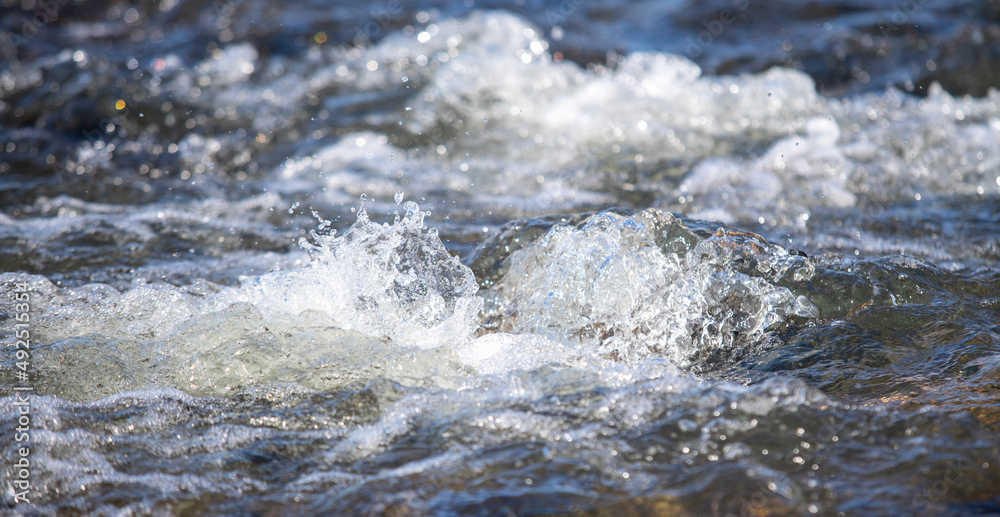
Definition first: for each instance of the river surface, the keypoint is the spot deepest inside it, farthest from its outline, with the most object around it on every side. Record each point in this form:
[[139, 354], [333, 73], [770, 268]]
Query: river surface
[[581, 257]]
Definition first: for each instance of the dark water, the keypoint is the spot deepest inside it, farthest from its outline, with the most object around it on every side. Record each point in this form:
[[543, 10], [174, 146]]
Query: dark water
[[595, 258]]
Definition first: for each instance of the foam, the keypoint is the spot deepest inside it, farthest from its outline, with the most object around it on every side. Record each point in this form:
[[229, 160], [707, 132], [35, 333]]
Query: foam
[[364, 306], [396, 281], [614, 284]]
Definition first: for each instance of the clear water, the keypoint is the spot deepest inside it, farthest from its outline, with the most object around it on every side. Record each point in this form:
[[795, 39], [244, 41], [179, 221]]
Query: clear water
[[447, 259]]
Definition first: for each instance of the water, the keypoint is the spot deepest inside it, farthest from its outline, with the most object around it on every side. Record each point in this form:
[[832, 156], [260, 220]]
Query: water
[[444, 259]]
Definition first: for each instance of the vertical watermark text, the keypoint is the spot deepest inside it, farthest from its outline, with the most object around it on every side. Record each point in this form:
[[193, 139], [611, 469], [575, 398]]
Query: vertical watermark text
[[20, 481]]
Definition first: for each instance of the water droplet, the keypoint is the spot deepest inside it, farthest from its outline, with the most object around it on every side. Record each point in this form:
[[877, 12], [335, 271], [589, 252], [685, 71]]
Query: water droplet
[[399, 199], [362, 213]]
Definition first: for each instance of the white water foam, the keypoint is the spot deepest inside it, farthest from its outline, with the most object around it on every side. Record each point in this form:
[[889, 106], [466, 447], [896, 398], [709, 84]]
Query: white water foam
[[613, 284], [381, 300]]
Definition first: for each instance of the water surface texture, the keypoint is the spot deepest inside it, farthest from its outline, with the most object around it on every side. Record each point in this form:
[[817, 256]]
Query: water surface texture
[[442, 258]]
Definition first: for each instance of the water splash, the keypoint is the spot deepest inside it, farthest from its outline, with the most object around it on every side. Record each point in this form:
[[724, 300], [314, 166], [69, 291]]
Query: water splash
[[642, 286], [396, 281]]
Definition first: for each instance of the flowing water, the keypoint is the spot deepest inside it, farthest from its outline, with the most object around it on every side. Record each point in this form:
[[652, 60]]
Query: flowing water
[[538, 258]]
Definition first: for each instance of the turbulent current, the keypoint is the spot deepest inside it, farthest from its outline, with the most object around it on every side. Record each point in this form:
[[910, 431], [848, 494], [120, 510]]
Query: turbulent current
[[426, 259]]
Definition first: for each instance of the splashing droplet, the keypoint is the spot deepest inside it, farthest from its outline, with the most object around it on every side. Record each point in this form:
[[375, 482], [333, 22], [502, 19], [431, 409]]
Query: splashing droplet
[[361, 210], [399, 199]]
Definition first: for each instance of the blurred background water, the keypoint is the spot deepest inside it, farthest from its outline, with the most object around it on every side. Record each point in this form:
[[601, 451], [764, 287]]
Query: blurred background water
[[447, 258]]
